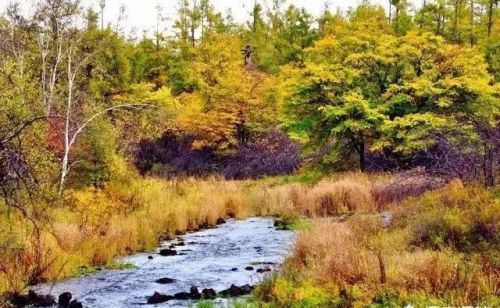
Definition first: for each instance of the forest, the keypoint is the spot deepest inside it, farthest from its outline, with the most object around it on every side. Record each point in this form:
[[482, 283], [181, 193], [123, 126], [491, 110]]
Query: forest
[[112, 141]]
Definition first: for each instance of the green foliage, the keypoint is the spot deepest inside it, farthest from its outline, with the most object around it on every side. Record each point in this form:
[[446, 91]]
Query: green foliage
[[467, 223], [91, 270], [291, 223], [205, 304], [286, 292], [393, 94]]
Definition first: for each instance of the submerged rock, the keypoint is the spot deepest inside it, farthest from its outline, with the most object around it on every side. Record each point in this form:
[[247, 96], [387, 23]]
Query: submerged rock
[[159, 298], [165, 280], [193, 294], [264, 269], [182, 296], [249, 268], [168, 252]]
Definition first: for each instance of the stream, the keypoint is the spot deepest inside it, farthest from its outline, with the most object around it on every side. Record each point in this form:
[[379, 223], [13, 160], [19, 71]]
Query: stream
[[213, 258]]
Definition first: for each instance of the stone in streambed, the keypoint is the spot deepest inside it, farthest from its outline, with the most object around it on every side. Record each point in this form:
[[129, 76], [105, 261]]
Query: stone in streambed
[[234, 269], [182, 296], [235, 291], [208, 294], [159, 298], [165, 280], [249, 268], [75, 304], [33, 299], [264, 269], [168, 252], [64, 299], [220, 221], [180, 243], [195, 294]]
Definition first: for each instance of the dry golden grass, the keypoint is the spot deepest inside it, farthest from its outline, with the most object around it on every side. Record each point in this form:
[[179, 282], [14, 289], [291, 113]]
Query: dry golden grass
[[344, 196], [440, 246], [332, 252]]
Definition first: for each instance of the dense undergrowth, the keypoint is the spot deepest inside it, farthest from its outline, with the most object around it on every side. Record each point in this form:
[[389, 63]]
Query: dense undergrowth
[[440, 249], [376, 239]]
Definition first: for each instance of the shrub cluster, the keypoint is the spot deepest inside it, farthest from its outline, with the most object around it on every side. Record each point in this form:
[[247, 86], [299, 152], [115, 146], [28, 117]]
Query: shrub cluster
[[172, 156]]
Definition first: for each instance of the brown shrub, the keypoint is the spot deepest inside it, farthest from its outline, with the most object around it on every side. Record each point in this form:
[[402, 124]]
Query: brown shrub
[[404, 185]]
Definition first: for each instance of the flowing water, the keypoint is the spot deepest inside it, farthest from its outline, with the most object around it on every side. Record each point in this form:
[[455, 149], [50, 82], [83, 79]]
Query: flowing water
[[207, 260]]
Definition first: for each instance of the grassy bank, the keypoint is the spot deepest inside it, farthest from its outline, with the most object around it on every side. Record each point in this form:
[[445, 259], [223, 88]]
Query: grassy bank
[[437, 249]]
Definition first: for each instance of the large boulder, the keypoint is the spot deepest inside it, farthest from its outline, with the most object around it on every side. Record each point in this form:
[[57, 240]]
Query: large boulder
[[208, 294], [64, 299], [195, 294]]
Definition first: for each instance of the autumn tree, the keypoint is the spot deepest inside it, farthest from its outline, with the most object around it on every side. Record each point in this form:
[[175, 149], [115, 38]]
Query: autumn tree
[[387, 93]]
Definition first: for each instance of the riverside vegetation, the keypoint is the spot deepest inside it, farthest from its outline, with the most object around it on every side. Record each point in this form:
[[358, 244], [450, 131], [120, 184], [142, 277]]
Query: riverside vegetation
[[374, 134]]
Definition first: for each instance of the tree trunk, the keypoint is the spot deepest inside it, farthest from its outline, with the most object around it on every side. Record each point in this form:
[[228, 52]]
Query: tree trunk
[[456, 32], [192, 36], [67, 141], [489, 177], [472, 23], [490, 16], [362, 158], [64, 170], [390, 11], [381, 264], [438, 24]]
